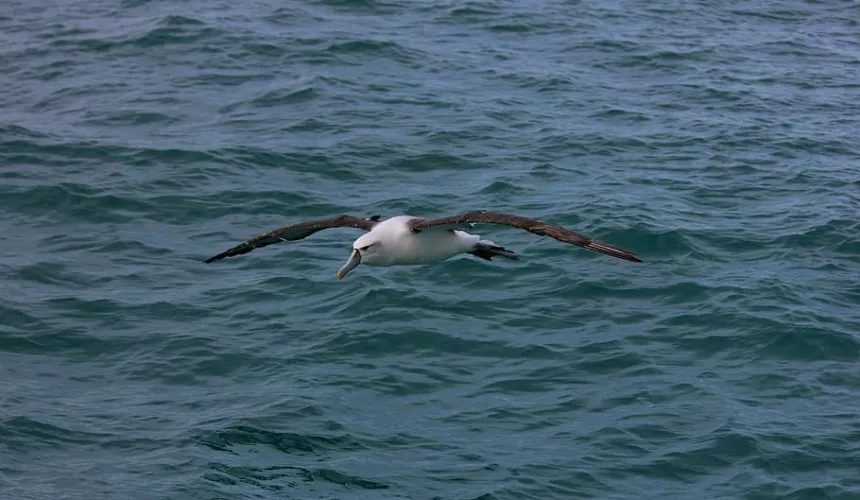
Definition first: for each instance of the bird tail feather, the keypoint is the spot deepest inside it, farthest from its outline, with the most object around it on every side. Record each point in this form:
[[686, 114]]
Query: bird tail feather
[[487, 250]]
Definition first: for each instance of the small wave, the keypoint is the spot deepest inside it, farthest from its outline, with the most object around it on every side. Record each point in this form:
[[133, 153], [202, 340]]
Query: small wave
[[15, 318], [190, 359], [472, 10], [286, 96], [510, 28], [176, 30], [431, 162], [365, 50], [502, 188], [179, 20], [314, 125], [130, 248], [11, 133], [808, 145], [128, 117], [808, 343], [224, 79], [286, 442], [75, 201], [264, 49], [373, 5], [170, 30], [837, 234], [26, 433], [622, 114], [275, 479], [430, 343], [319, 164], [362, 46], [612, 45], [723, 452], [47, 339], [243, 439], [540, 83], [52, 273], [772, 14]]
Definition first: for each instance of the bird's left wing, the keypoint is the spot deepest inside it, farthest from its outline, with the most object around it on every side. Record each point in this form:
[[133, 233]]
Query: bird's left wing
[[534, 226], [297, 232]]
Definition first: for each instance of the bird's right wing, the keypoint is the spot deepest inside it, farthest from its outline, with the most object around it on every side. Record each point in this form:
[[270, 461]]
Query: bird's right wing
[[297, 232]]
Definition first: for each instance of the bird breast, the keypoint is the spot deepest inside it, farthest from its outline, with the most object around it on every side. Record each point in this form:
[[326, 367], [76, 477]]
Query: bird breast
[[426, 247]]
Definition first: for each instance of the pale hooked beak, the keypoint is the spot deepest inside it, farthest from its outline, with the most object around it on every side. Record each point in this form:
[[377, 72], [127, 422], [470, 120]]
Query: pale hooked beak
[[352, 263]]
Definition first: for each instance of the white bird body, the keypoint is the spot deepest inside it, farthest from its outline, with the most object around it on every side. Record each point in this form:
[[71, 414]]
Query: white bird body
[[393, 243]]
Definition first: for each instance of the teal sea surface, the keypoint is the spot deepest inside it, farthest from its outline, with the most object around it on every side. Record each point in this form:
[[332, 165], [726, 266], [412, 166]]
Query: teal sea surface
[[718, 141]]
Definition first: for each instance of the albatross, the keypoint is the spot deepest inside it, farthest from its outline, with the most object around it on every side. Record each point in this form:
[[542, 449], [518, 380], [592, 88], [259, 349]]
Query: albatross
[[409, 240]]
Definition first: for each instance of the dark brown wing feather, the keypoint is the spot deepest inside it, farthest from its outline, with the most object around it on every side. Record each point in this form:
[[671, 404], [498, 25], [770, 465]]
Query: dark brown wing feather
[[531, 225], [297, 232]]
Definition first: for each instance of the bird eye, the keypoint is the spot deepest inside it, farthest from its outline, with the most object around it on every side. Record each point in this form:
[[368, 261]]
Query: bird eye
[[364, 247]]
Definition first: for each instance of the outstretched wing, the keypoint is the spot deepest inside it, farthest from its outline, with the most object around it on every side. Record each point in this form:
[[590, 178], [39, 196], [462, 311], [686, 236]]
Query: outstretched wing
[[531, 225], [297, 232]]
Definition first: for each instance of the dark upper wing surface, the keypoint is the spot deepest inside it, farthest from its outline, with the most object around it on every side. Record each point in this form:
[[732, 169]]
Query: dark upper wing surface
[[296, 232], [534, 226]]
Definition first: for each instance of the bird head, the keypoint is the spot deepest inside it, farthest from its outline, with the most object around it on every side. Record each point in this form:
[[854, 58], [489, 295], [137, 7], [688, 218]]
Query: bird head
[[365, 249]]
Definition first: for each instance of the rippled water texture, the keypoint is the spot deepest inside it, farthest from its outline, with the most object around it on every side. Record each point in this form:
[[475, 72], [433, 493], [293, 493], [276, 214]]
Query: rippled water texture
[[717, 141]]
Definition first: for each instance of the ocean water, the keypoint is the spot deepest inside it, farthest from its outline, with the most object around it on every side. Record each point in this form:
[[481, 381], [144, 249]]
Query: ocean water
[[716, 140]]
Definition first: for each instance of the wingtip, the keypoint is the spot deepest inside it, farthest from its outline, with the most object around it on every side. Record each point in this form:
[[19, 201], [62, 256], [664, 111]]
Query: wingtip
[[214, 258], [612, 251], [628, 256]]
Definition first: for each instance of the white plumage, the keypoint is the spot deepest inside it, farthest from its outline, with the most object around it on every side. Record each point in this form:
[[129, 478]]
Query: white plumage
[[392, 243]]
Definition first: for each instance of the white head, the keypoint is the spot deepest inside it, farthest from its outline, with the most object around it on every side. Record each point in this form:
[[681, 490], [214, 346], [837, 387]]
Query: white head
[[368, 249]]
